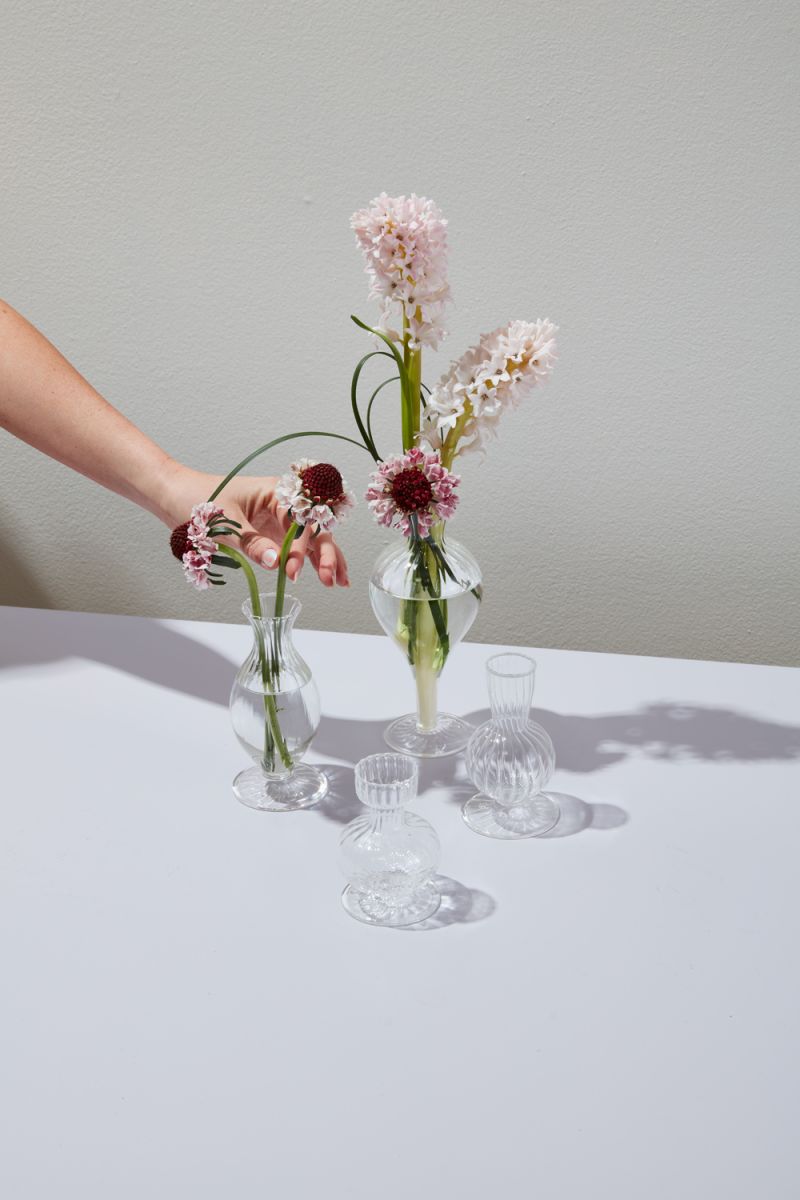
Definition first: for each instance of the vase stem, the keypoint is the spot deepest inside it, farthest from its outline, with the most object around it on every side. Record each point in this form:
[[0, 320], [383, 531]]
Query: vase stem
[[426, 680]]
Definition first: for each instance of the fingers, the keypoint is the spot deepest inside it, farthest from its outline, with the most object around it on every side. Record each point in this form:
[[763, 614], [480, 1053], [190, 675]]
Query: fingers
[[297, 555], [323, 556], [329, 561], [259, 549], [342, 574]]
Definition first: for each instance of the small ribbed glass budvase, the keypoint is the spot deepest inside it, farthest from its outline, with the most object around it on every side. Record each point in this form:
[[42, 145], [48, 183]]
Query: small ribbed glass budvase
[[510, 758], [389, 856]]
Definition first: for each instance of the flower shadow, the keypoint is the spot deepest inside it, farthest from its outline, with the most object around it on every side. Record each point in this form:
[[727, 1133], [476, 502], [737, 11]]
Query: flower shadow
[[167, 657]]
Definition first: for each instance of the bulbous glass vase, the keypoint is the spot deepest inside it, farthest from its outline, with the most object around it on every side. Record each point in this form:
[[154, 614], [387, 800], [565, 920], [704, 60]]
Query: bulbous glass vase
[[510, 758], [389, 856], [275, 712], [426, 594]]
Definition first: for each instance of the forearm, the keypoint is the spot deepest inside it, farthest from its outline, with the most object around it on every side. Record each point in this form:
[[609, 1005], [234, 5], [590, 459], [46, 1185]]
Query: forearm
[[47, 403]]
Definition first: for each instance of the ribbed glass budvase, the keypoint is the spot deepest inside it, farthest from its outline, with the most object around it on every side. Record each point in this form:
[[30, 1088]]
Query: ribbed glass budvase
[[510, 758], [389, 856], [275, 712]]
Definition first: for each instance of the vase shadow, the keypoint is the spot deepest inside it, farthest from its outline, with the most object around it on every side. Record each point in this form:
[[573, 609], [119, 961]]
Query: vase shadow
[[147, 649], [460, 906], [162, 655], [576, 815]]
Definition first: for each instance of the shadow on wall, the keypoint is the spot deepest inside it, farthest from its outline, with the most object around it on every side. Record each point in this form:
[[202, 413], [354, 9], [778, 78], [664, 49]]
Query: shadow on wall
[[18, 584], [165, 657]]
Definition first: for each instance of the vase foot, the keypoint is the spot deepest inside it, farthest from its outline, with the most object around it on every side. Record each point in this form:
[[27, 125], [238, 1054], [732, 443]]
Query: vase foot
[[302, 787], [449, 735], [373, 910], [526, 820]]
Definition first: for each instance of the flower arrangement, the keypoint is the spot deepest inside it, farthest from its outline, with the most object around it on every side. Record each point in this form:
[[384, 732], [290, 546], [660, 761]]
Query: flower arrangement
[[415, 490], [314, 494]]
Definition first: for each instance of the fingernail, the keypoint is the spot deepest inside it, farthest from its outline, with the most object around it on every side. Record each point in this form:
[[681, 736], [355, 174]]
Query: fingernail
[[269, 558]]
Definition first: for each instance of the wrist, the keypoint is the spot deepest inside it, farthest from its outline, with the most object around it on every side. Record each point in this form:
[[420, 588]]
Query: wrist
[[177, 489]]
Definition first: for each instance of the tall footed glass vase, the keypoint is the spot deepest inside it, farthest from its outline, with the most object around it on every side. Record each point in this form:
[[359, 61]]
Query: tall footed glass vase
[[426, 594], [275, 712]]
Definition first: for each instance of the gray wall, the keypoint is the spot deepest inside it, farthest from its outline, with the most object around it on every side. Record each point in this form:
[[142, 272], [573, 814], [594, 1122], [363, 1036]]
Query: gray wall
[[177, 180]]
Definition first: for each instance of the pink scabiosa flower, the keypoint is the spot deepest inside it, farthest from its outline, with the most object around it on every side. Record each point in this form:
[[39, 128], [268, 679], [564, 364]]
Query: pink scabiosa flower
[[412, 492], [194, 543], [315, 494], [404, 241], [489, 379]]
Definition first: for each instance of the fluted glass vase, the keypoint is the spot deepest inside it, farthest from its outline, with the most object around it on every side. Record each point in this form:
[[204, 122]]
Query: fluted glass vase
[[426, 594], [275, 712], [510, 758], [389, 856]]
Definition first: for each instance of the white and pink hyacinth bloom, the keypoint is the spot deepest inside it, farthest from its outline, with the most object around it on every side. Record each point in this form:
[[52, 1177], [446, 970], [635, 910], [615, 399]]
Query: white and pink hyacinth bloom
[[404, 241], [315, 494], [488, 380], [412, 489]]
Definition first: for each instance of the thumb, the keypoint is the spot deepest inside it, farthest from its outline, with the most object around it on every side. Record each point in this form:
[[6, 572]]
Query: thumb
[[259, 549]]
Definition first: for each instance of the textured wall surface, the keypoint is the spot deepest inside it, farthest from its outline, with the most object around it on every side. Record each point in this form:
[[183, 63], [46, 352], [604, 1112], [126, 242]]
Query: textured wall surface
[[177, 180]]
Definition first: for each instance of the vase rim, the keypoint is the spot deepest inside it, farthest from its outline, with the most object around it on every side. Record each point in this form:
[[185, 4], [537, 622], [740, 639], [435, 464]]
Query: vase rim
[[399, 770], [525, 665], [291, 607]]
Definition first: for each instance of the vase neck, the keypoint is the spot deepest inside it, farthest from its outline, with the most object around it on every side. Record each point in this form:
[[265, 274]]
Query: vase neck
[[511, 679], [266, 626], [384, 819]]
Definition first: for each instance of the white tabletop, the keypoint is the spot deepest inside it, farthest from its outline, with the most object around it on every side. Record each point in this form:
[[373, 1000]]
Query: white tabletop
[[187, 1011]]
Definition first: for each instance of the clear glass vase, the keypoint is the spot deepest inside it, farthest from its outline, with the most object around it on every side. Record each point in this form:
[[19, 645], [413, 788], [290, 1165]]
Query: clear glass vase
[[426, 594], [275, 712], [389, 856], [510, 758]]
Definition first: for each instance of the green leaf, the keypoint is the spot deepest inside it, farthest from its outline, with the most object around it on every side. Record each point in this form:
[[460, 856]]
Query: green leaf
[[286, 437], [354, 399], [372, 398]]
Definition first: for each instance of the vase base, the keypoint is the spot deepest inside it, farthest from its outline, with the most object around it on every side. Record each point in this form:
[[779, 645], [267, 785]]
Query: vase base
[[422, 905], [526, 820], [301, 788], [449, 736]]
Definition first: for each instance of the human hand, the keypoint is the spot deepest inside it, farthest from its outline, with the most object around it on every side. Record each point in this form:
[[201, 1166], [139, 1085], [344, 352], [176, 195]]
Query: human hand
[[250, 500]]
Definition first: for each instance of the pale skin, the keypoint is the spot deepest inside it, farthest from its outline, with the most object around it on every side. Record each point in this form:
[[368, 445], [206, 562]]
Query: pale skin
[[45, 402]]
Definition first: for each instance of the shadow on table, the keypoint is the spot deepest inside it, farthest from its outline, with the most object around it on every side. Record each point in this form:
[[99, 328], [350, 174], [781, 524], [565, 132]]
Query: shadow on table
[[341, 804], [664, 731], [141, 647], [168, 658], [460, 906]]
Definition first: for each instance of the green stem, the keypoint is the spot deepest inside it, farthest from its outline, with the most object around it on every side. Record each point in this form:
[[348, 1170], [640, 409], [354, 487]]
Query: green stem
[[407, 399], [415, 391], [280, 590], [272, 726], [287, 437]]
